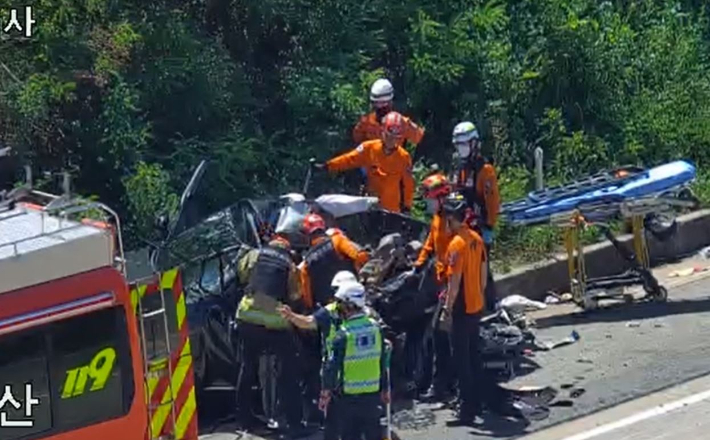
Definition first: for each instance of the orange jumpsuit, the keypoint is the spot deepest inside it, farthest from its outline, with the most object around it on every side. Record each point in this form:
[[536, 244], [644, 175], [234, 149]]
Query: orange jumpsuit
[[465, 256], [385, 172], [483, 192], [369, 128], [437, 241], [344, 248]]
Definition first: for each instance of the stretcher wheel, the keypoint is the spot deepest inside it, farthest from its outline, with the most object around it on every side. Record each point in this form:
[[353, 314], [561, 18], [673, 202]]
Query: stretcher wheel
[[660, 295]]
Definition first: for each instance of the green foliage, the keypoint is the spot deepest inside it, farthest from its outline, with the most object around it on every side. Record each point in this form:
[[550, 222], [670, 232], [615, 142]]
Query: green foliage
[[148, 195], [131, 95], [701, 188]]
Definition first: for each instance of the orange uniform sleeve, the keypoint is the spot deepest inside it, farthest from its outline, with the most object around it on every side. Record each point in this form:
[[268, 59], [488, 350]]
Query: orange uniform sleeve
[[454, 256], [346, 248], [479, 250], [359, 157], [408, 182], [412, 132], [427, 249], [307, 295], [487, 187]]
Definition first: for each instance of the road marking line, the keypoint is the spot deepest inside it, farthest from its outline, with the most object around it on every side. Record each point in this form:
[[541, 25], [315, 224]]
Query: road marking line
[[644, 415]]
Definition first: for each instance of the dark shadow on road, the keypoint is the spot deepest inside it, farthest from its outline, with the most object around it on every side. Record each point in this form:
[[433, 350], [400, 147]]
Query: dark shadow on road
[[628, 312], [496, 426]]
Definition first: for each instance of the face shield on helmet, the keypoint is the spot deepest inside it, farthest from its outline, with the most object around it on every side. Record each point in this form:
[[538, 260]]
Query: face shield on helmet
[[465, 139]]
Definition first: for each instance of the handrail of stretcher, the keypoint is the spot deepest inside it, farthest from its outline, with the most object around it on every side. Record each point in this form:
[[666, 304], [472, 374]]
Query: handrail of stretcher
[[627, 209]]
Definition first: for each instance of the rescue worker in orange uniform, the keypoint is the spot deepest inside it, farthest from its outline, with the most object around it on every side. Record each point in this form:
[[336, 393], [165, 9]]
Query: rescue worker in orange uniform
[[369, 126], [466, 271], [475, 178], [330, 252], [388, 164], [435, 188]]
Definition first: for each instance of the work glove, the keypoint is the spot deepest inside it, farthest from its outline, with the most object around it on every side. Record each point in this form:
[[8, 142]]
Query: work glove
[[488, 235], [324, 400]]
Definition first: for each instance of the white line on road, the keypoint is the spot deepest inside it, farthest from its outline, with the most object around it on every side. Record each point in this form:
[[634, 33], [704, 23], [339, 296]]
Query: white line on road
[[654, 412]]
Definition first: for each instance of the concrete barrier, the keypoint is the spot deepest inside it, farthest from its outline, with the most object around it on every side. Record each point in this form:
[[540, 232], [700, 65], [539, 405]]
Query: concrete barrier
[[535, 280]]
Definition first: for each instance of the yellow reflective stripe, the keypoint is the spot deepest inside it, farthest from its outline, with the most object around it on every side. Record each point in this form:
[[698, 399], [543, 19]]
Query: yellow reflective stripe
[[168, 279], [153, 380], [186, 413], [186, 349], [180, 310], [179, 375], [137, 294]]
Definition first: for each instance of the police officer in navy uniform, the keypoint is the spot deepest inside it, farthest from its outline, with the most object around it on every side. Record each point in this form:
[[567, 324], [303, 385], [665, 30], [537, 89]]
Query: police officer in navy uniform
[[327, 321], [357, 368]]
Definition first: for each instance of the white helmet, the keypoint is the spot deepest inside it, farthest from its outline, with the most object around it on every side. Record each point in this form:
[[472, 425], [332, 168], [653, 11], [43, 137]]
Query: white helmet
[[381, 91], [464, 132], [353, 293], [343, 277]]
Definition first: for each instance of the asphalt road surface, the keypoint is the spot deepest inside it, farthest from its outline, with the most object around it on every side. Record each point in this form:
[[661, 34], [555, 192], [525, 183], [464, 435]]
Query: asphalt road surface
[[680, 412], [626, 351]]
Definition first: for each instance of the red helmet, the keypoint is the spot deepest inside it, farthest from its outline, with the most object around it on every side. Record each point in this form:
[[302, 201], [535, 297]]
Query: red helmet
[[312, 223], [393, 123], [436, 185]]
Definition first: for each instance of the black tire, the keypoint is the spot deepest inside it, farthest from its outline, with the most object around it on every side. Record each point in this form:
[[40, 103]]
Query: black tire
[[660, 295]]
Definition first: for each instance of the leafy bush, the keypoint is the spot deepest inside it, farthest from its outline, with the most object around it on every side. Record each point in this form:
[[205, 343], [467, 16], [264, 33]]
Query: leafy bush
[[128, 94]]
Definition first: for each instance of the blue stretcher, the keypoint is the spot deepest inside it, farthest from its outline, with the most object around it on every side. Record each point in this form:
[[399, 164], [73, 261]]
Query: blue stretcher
[[601, 190]]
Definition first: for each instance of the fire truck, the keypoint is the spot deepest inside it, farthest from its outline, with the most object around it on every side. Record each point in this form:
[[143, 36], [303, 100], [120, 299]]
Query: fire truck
[[84, 354]]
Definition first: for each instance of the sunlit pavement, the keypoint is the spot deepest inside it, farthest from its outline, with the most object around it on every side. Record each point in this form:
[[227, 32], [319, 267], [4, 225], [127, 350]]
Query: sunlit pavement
[[625, 352], [681, 412]]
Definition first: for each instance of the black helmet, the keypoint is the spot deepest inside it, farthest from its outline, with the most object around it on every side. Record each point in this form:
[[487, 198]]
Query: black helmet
[[455, 206]]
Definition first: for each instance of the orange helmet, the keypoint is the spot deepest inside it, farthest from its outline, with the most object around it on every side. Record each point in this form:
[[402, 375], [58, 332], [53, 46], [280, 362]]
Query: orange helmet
[[393, 123], [312, 223], [436, 185]]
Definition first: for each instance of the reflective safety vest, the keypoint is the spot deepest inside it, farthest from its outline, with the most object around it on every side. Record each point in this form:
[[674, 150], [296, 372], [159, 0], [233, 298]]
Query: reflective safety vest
[[323, 262], [363, 352], [335, 323], [270, 273], [248, 312]]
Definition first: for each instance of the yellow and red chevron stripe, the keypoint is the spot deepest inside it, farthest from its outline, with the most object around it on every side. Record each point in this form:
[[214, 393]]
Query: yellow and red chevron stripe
[[163, 391]]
